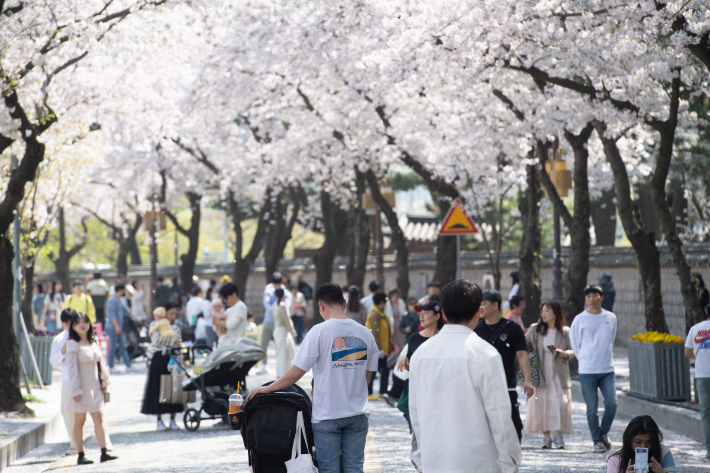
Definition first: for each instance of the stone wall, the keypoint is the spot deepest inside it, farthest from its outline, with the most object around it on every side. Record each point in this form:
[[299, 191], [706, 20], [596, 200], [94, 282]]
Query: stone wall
[[619, 262]]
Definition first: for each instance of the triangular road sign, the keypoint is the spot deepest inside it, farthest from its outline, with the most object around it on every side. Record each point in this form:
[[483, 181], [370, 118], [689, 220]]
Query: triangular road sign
[[457, 221]]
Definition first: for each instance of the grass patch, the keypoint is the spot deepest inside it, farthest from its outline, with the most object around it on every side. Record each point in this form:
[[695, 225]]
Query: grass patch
[[31, 398]]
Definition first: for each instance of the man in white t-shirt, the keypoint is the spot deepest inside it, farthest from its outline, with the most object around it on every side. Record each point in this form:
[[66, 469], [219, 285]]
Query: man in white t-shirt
[[592, 337], [697, 347], [343, 355], [195, 305], [236, 322]]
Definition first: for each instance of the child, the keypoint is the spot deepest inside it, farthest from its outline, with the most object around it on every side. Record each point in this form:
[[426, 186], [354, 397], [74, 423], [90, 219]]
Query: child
[[252, 331], [161, 324]]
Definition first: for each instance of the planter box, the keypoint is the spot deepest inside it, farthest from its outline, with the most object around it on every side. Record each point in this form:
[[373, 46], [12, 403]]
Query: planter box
[[42, 347], [659, 371]]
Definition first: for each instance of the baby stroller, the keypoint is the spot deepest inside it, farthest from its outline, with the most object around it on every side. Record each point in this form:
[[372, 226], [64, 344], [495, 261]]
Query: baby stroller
[[135, 344], [268, 425], [224, 368]]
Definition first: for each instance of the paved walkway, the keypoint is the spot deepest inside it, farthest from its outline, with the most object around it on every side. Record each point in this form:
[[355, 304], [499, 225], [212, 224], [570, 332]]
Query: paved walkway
[[217, 449]]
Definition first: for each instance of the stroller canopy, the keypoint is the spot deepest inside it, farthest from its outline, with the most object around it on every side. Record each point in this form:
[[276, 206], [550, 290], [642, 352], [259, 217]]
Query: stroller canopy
[[235, 351]]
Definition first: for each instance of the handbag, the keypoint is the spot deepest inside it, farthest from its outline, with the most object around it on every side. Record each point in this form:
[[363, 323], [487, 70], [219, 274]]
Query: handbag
[[300, 462], [534, 366], [171, 388]]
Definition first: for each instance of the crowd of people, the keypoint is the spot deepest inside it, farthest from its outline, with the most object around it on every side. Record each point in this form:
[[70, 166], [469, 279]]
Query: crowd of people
[[459, 348]]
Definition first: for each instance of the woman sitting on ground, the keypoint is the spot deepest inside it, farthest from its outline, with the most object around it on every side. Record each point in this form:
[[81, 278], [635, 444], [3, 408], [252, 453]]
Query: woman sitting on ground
[[89, 378], [642, 432]]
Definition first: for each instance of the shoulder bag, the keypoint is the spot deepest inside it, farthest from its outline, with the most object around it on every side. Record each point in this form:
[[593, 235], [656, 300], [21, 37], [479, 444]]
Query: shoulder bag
[[534, 366]]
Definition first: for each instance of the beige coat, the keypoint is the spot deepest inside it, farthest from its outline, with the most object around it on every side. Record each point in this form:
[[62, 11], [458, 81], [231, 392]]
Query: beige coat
[[561, 365]]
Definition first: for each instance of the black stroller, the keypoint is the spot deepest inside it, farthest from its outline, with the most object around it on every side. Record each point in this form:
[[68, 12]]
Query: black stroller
[[268, 425], [224, 370]]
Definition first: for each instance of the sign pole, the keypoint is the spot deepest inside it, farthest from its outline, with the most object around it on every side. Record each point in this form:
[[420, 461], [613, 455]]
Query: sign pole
[[457, 223], [458, 256]]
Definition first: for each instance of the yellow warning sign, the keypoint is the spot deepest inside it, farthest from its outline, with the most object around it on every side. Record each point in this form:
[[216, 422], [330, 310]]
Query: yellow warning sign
[[457, 221]]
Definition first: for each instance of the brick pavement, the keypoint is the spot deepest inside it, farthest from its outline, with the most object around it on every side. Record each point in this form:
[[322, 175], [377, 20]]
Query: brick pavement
[[218, 449]]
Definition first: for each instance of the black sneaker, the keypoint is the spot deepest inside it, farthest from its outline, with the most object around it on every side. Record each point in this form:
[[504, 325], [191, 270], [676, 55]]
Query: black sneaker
[[105, 457], [606, 442], [84, 461]]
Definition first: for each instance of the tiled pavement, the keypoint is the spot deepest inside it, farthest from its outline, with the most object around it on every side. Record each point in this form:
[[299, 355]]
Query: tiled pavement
[[218, 449]]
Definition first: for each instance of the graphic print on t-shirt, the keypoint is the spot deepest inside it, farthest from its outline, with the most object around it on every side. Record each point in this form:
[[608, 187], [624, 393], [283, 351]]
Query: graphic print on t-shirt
[[703, 337], [349, 349]]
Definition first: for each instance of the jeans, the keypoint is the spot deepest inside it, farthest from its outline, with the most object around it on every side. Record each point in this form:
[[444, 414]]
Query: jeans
[[607, 383], [704, 398], [335, 435], [113, 339], [298, 325], [409, 422], [384, 371]]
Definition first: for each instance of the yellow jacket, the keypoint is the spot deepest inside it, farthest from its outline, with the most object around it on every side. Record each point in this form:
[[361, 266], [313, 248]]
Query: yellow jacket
[[83, 303], [379, 325]]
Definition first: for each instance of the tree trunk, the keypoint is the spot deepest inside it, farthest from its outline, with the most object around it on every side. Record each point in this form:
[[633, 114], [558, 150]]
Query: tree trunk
[[10, 395], [122, 257], [445, 252], [61, 263], [644, 244], [647, 213], [359, 240], [694, 312], [188, 260], [28, 272], [398, 241], [243, 264], [530, 251], [604, 218], [274, 236], [133, 250]]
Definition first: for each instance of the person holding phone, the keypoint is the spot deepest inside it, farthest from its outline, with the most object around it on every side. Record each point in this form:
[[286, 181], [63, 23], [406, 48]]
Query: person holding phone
[[550, 408], [642, 432]]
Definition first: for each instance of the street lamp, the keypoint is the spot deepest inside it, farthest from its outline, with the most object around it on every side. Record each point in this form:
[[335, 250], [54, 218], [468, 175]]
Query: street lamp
[[561, 178]]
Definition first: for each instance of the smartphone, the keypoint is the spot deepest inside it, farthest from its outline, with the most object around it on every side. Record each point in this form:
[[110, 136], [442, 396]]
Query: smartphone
[[552, 348], [107, 396], [641, 459]]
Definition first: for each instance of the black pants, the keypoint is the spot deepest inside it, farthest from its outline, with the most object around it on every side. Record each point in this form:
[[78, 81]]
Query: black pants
[[101, 317], [397, 387], [384, 371], [517, 422]]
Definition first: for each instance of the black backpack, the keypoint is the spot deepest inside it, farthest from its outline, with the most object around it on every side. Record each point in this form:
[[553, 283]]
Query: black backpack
[[268, 426]]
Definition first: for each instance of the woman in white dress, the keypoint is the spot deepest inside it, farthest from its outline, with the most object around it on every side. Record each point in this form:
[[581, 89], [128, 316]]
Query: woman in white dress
[[550, 408], [88, 379], [138, 302], [284, 333]]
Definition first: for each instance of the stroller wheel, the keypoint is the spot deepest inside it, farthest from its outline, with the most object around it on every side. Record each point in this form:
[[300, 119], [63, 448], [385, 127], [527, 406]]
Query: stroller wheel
[[191, 419]]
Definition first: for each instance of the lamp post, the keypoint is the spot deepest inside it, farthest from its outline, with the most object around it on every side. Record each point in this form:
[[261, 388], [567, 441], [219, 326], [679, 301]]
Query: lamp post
[[561, 178]]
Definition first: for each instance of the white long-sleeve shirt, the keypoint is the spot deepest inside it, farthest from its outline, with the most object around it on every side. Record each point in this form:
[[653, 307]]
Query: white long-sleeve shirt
[[56, 358], [592, 339], [236, 320], [459, 405]]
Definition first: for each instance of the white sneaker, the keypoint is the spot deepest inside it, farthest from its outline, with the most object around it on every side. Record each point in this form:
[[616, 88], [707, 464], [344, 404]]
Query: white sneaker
[[546, 441], [599, 447], [161, 426], [262, 370], [707, 455], [558, 441], [173, 425]]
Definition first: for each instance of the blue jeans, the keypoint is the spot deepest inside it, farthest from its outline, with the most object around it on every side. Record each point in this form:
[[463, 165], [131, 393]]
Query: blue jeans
[[298, 325], [607, 383], [704, 398], [335, 435], [113, 339]]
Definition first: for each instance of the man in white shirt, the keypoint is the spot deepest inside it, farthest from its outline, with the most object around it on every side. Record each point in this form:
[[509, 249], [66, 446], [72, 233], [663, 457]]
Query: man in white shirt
[[367, 300], [236, 322], [458, 394], [697, 347], [592, 337], [196, 305], [343, 355]]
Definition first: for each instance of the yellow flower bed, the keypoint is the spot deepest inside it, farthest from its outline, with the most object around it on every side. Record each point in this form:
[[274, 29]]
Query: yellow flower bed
[[657, 337]]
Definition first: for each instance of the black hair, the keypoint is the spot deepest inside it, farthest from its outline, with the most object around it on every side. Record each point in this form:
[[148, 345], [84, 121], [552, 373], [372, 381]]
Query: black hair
[[97, 275], [134, 283], [379, 298], [39, 287], [196, 290], [460, 300], [353, 299], [374, 286], [67, 315], [118, 287], [250, 315], [90, 335], [393, 292], [639, 426], [208, 293], [699, 277], [491, 295], [515, 277], [593, 288], [433, 284], [76, 282], [330, 294], [159, 278], [228, 289], [54, 286], [276, 278], [279, 293], [170, 305], [515, 301]]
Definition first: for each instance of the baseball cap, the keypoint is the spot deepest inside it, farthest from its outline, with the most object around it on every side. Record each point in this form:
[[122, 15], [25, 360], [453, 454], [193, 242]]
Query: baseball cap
[[429, 305]]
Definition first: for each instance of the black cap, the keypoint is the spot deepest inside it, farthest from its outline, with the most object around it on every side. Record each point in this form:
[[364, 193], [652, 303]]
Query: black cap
[[429, 305]]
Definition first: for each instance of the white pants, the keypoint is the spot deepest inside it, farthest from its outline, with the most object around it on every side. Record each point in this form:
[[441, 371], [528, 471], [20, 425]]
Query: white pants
[[285, 350], [69, 417]]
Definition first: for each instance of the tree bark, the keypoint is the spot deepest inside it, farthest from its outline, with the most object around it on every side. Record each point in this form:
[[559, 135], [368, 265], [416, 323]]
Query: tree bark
[[279, 233], [28, 274], [445, 252], [359, 240], [243, 264], [530, 249], [644, 244], [122, 256], [188, 260], [62, 261], [604, 218], [133, 249], [398, 241]]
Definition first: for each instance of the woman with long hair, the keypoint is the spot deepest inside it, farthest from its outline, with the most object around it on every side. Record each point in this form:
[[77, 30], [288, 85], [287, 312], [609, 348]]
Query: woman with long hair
[[284, 334], [53, 306], [89, 378], [642, 432], [550, 408], [703, 293], [355, 309]]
